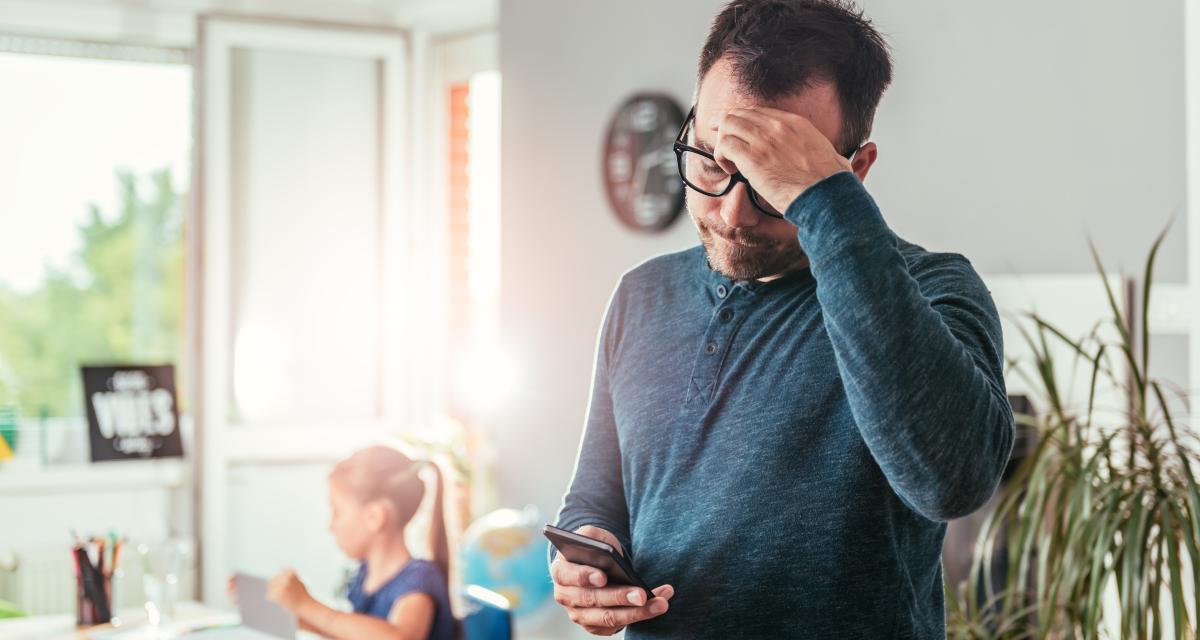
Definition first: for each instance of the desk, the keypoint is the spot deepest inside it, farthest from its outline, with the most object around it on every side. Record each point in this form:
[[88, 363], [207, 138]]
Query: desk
[[193, 614], [188, 615]]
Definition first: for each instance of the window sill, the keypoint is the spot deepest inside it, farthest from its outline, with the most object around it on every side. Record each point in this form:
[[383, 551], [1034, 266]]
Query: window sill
[[17, 479]]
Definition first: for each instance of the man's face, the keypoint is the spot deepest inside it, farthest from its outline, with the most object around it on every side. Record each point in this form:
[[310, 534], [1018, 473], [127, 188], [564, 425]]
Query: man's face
[[741, 242]]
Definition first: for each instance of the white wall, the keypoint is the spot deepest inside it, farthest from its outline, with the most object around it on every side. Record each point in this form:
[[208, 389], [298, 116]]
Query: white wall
[[1011, 129]]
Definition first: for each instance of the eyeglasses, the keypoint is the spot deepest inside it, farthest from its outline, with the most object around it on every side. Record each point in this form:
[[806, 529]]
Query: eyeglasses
[[700, 171]]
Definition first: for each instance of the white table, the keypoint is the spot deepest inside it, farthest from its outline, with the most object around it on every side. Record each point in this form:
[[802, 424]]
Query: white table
[[189, 615], [133, 624]]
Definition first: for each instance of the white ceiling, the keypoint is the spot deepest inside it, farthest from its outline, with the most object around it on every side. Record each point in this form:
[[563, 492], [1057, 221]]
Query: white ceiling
[[172, 21]]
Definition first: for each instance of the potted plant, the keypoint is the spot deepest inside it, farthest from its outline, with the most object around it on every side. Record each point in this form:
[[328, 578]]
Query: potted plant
[[1098, 506]]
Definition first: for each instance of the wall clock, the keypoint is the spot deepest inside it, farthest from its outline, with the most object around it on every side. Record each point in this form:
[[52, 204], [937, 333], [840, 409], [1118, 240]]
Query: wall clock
[[640, 173]]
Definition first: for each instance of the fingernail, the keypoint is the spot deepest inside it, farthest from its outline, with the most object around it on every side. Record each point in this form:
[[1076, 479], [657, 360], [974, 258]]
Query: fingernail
[[597, 579], [658, 606], [635, 597]]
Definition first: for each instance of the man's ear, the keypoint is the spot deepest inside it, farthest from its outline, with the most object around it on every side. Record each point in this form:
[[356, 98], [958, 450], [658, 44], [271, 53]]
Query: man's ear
[[863, 159]]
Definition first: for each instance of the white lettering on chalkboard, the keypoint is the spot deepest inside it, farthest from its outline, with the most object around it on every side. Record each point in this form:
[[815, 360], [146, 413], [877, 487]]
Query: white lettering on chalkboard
[[134, 413]]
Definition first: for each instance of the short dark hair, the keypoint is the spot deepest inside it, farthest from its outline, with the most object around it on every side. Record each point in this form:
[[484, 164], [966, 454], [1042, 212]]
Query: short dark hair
[[779, 47]]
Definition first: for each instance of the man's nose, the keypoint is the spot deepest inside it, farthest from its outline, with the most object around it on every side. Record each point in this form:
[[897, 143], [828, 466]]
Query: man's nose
[[736, 208]]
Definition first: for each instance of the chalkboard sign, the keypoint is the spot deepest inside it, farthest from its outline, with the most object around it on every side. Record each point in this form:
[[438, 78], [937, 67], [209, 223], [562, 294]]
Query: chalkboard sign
[[132, 412]]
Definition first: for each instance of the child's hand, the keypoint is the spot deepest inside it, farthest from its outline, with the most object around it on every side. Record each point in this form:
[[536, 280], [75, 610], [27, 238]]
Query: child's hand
[[231, 590], [287, 591]]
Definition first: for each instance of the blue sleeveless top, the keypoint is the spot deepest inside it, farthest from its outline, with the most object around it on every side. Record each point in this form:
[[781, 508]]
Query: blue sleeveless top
[[418, 576]]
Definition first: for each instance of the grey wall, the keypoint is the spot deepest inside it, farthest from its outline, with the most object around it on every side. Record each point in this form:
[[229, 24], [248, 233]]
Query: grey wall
[[566, 66], [1012, 129]]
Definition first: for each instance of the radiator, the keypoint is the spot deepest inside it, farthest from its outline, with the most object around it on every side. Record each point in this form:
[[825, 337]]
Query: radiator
[[42, 580]]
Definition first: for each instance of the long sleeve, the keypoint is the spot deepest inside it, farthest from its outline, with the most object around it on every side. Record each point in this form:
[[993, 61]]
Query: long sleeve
[[597, 493], [918, 348]]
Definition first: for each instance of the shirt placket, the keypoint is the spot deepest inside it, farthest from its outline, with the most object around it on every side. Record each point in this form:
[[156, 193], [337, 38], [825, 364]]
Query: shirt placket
[[714, 346]]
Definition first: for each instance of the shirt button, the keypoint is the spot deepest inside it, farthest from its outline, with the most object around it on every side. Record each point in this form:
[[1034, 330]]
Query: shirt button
[[726, 315], [721, 291], [710, 348]]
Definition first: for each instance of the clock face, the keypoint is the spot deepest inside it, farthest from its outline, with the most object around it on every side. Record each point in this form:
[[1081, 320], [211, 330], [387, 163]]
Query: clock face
[[640, 172]]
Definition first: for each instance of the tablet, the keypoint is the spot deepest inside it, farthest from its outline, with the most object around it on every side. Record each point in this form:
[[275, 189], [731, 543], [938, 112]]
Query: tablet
[[261, 614]]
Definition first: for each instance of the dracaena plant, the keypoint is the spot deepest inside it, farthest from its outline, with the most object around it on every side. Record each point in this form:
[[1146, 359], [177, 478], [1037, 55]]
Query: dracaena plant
[[1103, 502]]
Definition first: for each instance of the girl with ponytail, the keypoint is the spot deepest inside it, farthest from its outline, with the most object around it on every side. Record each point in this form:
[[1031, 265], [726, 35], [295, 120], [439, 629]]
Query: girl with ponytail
[[374, 494]]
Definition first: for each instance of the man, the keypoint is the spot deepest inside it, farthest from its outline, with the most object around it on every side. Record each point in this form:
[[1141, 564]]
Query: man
[[783, 419]]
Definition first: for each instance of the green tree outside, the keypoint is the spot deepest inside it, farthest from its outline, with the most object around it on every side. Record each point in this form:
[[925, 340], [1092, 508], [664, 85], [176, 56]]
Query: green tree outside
[[118, 299]]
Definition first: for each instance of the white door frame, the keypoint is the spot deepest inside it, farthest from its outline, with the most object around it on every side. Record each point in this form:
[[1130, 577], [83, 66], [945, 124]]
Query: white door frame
[[407, 399]]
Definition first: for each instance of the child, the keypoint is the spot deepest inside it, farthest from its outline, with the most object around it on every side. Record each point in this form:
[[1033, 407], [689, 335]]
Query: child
[[374, 493]]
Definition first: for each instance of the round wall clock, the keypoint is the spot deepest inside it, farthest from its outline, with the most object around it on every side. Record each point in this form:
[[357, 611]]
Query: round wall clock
[[640, 173]]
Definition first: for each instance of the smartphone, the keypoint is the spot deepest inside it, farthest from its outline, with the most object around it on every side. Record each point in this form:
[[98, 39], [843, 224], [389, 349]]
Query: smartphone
[[581, 549]]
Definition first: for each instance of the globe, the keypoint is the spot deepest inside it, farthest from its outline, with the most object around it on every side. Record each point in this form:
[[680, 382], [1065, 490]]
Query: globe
[[505, 551]]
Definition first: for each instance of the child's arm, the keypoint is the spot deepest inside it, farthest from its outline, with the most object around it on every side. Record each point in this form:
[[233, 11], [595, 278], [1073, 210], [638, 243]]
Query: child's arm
[[413, 613], [411, 616]]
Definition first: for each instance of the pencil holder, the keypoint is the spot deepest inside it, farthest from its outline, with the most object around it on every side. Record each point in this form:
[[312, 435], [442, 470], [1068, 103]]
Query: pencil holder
[[93, 600]]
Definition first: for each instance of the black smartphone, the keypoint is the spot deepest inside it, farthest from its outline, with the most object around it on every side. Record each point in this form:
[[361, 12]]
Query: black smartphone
[[581, 549]]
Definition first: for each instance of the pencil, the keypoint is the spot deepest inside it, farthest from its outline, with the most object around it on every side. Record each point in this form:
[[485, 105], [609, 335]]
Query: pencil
[[99, 542], [116, 554]]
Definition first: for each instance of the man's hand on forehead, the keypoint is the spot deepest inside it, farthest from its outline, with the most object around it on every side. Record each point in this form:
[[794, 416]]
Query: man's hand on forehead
[[781, 153]]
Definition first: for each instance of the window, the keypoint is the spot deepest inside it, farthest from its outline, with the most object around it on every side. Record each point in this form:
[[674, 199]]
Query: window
[[95, 159], [473, 116]]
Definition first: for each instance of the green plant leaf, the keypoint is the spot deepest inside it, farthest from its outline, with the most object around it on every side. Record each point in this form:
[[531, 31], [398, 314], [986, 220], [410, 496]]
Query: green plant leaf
[[1147, 282]]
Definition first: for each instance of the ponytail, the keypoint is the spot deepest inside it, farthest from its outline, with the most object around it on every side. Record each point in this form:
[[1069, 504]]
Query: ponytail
[[439, 545]]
